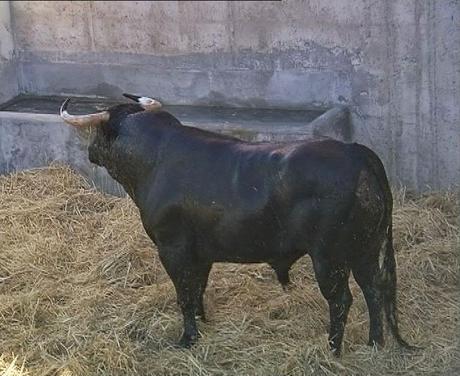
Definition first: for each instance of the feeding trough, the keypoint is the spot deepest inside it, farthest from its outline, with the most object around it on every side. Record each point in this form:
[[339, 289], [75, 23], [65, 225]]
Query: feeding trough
[[32, 134]]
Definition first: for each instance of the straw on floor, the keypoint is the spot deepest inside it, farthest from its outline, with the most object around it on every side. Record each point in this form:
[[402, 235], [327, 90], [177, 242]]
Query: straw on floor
[[82, 292]]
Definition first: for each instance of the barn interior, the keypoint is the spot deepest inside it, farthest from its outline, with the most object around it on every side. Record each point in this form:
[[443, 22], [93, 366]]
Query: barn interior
[[82, 290]]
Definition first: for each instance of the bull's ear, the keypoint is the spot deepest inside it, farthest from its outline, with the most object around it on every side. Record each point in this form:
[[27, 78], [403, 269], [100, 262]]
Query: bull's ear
[[148, 104]]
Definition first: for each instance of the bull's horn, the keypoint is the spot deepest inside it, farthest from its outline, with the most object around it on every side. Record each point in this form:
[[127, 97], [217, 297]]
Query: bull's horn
[[82, 120], [148, 104]]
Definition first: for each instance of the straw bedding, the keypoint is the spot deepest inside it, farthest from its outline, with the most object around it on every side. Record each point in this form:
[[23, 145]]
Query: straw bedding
[[82, 292]]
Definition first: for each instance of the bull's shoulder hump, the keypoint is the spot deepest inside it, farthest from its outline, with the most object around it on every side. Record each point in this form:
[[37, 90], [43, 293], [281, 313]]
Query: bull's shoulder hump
[[145, 119]]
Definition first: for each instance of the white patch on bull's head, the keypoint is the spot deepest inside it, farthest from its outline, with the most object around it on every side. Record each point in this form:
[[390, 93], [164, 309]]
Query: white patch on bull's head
[[149, 104]]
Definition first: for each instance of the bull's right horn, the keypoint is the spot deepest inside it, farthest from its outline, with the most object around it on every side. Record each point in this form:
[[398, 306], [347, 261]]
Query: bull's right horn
[[82, 120]]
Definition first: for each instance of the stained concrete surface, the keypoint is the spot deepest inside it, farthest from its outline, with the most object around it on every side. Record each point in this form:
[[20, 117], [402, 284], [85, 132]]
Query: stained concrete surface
[[8, 72]]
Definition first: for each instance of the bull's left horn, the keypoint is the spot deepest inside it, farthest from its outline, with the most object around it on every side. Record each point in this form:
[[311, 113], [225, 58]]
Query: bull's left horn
[[148, 104], [82, 120]]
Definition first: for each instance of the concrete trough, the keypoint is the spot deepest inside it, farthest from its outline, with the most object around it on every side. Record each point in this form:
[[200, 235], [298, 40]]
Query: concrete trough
[[33, 135]]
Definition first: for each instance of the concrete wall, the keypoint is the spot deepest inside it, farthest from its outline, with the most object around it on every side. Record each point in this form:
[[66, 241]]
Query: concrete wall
[[8, 74], [395, 63], [36, 140]]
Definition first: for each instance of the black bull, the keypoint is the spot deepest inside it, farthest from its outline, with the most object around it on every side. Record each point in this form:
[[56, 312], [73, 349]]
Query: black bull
[[206, 198]]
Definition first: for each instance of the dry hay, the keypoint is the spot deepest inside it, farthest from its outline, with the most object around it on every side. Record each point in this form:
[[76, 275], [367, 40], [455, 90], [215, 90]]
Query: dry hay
[[83, 293]]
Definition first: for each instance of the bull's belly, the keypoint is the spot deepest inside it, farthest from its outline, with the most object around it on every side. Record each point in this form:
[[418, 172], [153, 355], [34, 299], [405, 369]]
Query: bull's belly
[[267, 236], [244, 253], [250, 245], [251, 236]]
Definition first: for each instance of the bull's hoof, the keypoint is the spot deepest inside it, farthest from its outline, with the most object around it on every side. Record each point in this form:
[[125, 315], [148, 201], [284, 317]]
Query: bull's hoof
[[187, 341], [336, 352], [412, 348], [201, 316], [378, 344]]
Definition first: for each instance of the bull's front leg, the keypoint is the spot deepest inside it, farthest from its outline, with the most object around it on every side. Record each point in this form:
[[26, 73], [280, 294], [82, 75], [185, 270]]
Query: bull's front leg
[[188, 277]]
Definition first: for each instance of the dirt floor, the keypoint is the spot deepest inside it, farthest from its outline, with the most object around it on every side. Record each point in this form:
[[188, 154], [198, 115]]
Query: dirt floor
[[82, 292]]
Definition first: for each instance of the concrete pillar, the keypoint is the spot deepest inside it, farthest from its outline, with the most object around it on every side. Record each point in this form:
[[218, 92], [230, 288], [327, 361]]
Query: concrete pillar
[[8, 77]]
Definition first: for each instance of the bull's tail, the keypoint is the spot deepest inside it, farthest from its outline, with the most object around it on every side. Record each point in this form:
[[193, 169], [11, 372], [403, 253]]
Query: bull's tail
[[388, 279], [388, 268]]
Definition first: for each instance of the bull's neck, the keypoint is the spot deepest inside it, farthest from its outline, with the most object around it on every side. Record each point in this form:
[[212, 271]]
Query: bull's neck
[[133, 161]]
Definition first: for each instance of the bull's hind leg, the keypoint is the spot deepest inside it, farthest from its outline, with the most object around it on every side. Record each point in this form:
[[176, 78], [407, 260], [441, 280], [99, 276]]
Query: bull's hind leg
[[333, 282], [367, 275], [202, 283]]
